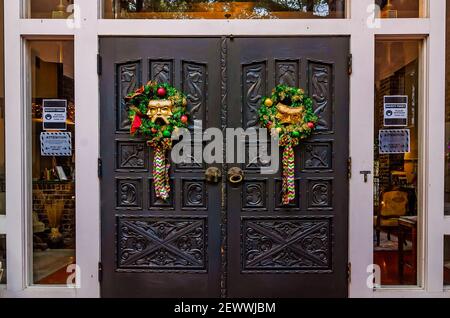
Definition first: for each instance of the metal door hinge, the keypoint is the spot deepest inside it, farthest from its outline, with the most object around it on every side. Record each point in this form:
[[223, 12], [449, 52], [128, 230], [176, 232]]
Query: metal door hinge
[[349, 167], [100, 272], [100, 168], [350, 64], [349, 272], [99, 64]]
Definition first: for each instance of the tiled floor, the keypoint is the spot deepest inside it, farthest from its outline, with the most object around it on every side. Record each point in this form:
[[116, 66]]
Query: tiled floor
[[49, 266]]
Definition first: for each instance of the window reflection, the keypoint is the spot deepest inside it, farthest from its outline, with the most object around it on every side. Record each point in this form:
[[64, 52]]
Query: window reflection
[[218, 9], [401, 8], [396, 161], [47, 9], [53, 210]]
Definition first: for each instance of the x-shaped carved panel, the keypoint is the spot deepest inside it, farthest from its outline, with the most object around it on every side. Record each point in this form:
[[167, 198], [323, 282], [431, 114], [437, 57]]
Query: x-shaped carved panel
[[286, 244], [162, 243]]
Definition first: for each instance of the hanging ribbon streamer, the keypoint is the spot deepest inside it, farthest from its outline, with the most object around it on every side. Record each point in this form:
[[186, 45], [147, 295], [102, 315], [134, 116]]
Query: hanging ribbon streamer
[[288, 184], [161, 167], [156, 110]]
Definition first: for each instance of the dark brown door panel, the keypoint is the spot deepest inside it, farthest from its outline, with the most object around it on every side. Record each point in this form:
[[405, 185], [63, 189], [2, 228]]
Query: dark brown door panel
[[152, 248]]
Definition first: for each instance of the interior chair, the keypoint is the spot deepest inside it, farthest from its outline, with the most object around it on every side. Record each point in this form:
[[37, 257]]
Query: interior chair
[[393, 206]]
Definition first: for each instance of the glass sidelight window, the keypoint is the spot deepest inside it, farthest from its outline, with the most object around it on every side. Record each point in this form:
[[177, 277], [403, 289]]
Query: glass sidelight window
[[2, 116], [47, 9], [392, 9], [224, 9], [396, 219], [447, 260], [2, 259], [52, 132], [447, 116]]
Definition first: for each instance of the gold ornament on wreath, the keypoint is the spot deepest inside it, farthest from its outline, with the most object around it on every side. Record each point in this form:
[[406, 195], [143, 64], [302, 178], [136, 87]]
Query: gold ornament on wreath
[[289, 114], [156, 110]]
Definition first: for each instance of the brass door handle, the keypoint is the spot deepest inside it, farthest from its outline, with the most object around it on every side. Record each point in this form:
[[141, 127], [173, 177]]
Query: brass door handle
[[213, 175], [235, 175]]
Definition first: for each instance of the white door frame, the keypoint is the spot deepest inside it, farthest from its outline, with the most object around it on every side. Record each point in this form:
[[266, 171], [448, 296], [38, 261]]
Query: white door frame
[[362, 30]]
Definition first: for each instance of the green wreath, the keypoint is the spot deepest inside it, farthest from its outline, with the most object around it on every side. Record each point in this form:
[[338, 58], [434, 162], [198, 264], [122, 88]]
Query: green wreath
[[156, 110], [289, 113]]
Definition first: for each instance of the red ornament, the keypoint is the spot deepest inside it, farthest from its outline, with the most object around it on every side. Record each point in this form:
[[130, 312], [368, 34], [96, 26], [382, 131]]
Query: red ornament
[[311, 125], [161, 92], [136, 124], [269, 124], [184, 119], [154, 130]]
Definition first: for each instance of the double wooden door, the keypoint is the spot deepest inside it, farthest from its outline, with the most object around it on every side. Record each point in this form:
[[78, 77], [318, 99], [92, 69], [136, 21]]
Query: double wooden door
[[217, 239]]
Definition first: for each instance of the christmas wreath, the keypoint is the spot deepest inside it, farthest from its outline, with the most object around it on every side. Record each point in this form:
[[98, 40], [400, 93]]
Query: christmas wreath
[[288, 113], [155, 112]]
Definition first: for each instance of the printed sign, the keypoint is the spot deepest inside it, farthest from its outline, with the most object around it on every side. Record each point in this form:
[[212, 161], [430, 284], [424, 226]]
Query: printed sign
[[394, 141], [57, 144], [396, 111], [54, 114]]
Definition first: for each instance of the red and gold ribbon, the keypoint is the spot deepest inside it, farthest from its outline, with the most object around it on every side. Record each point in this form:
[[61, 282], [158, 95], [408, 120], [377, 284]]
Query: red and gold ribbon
[[161, 167]]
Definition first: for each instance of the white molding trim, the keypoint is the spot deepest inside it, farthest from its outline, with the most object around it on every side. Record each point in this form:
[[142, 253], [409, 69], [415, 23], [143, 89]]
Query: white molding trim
[[41, 292], [403, 26], [434, 131], [87, 123], [108, 27], [88, 144], [44, 27], [14, 139], [411, 293], [361, 152]]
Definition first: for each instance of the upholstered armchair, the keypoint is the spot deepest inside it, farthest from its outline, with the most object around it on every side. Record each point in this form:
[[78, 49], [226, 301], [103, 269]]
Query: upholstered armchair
[[394, 204]]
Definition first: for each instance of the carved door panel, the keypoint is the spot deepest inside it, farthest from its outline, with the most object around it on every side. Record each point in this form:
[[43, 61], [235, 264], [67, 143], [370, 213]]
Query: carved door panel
[[299, 250], [152, 248], [192, 246]]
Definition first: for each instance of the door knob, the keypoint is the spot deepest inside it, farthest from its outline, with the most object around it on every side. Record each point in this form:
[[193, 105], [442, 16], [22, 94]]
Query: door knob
[[235, 175], [213, 175]]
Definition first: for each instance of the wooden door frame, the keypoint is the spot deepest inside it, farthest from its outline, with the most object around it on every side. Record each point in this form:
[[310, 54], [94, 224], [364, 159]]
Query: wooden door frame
[[362, 29]]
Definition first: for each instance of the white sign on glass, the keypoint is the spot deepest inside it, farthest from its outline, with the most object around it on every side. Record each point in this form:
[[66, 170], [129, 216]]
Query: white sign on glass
[[395, 111], [57, 144], [394, 141], [54, 114]]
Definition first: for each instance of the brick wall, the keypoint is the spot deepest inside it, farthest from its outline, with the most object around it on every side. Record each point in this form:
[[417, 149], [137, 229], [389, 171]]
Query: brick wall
[[46, 193]]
